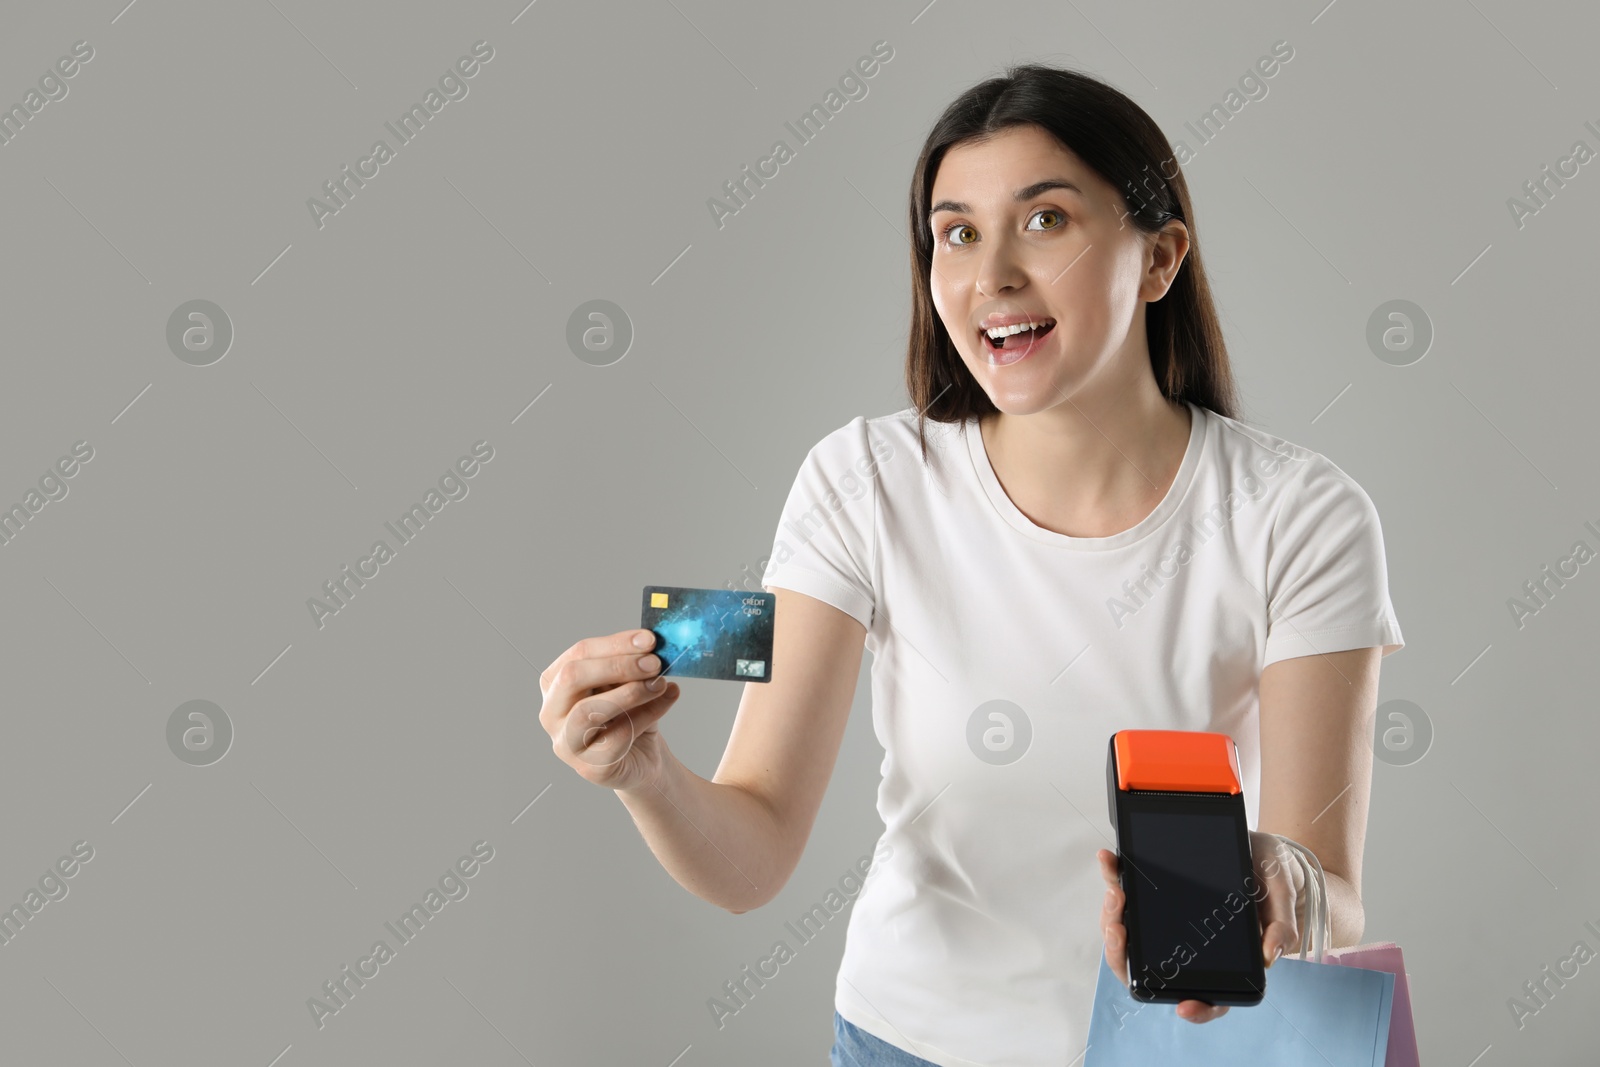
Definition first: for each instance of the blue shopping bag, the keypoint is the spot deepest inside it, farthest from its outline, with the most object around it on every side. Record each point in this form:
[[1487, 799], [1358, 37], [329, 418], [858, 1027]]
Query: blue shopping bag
[[1313, 1014]]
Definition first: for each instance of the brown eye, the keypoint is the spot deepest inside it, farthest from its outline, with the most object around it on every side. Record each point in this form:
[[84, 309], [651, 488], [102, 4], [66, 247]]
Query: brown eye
[[960, 228], [1055, 216]]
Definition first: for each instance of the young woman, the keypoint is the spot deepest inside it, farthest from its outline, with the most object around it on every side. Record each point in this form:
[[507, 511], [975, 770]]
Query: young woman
[[1067, 533]]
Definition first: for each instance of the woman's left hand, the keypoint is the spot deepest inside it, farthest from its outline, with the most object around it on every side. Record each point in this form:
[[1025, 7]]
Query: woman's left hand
[[1274, 868]]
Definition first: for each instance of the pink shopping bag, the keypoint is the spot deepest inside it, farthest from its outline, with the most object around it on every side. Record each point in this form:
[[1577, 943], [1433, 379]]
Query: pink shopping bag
[[1386, 956]]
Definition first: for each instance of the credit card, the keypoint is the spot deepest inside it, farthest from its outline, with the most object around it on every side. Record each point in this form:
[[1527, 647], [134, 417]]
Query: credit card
[[711, 633]]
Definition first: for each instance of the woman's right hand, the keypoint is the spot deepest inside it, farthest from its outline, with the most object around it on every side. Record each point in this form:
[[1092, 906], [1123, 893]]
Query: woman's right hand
[[601, 713]]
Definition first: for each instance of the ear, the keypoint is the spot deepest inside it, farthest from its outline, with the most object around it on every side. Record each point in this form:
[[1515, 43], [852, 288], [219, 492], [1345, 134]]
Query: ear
[[1164, 253]]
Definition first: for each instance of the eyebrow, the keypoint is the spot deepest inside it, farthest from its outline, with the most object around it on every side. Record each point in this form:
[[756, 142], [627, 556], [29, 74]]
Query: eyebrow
[[1026, 193]]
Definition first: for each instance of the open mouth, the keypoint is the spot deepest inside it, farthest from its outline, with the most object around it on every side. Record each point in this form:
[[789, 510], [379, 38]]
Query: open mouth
[[1021, 338]]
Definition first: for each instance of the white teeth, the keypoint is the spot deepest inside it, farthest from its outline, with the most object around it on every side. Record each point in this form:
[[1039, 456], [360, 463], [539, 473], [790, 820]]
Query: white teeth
[[1005, 331]]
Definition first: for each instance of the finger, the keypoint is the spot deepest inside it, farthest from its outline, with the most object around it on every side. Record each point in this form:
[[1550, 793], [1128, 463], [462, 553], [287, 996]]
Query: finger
[[620, 643], [1112, 931], [1116, 947], [1114, 901], [1109, 867], [1111, 909], [600, 730], [597, 732], [1276, 939], [581, 675], [1198, 1011], [601, 708], [1114, 934], [644, 716], [1279, 925]]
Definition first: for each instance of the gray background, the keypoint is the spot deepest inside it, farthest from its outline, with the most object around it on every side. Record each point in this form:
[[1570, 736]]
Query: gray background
[[426, 315]]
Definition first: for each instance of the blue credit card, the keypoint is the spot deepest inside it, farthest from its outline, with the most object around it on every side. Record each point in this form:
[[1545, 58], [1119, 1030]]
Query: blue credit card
[[711, 633]]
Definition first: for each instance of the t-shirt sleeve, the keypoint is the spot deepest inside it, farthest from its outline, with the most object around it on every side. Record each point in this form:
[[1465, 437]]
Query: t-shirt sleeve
[[1327, 577], [824, 543]]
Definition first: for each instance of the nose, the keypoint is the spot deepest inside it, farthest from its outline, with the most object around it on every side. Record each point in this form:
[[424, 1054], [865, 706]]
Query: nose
[[999, 271]]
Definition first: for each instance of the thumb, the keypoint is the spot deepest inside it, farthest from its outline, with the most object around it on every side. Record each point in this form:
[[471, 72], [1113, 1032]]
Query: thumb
[[1279, 929]]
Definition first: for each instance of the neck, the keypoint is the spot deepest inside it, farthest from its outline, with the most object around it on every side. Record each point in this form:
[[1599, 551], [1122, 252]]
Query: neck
[[1093, 466]]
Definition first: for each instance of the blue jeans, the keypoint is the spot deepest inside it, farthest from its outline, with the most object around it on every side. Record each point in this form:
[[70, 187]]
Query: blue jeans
[[854, 1047]]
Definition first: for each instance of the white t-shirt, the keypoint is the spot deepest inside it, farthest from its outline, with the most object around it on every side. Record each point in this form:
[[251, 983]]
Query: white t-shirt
[[1004, 657]]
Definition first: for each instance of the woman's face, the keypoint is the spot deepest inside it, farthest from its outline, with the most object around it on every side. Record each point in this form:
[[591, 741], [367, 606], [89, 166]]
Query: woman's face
[[1024, 231]]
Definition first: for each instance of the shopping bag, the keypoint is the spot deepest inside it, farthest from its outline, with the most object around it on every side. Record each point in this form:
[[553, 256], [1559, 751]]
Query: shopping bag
[[1312, 1013], [1386, 956]]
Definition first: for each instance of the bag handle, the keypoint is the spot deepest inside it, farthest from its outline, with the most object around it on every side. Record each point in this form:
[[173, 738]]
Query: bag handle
[[1316, 886]]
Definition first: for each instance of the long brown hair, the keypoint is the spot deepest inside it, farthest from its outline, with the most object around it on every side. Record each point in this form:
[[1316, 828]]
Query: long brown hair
[[1121, 143]]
